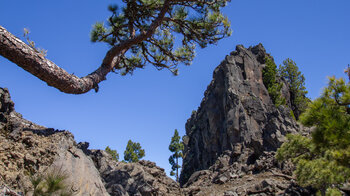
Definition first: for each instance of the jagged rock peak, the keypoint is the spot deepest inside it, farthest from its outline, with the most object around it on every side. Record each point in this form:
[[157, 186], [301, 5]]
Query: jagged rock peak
[[235, 115]]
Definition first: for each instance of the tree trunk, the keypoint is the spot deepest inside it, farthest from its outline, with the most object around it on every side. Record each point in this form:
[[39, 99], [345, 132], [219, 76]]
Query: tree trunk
[[177, 170], [34, 62]]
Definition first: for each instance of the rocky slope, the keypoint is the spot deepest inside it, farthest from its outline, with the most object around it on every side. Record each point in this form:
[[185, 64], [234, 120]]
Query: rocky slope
[[229, 178], [27, 149], [142, 178]]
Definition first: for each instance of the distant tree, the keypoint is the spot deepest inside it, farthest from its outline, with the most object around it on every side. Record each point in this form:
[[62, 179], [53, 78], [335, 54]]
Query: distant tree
[[133, 152], [176, 147], [113, 153], [323, 160], [296, 81], [142, 32], [269, 74]]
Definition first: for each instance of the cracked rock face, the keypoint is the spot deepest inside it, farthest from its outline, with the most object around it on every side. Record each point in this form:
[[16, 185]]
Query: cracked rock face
[[236, 114]]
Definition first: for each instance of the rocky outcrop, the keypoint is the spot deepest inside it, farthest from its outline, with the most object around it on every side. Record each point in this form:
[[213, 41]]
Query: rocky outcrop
[[142, 178], [27, 149], [236, 116]]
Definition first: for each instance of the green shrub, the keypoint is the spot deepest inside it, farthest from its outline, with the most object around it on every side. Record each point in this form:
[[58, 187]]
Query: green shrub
[[269, 74], [50, 183], [113, 153], [323, 159]]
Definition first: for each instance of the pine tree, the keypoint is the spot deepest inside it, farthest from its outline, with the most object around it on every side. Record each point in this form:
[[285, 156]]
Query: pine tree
[[296, 81], [113, 153], [269, 74], [176, 147], [323, 160], [133, 152], [141, 32]]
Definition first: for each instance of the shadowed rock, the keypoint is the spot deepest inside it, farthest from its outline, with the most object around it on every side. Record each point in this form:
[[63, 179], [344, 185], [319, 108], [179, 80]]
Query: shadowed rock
[[141, 178], [236, 114]]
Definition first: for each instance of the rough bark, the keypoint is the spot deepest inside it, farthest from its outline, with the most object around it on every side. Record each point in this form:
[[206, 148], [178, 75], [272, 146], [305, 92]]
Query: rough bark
[[34, 62]]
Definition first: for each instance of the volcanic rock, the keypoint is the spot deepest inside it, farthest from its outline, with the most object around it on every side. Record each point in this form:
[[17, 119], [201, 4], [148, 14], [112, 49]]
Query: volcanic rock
[[141, 178], [236, 115], [27, 149]]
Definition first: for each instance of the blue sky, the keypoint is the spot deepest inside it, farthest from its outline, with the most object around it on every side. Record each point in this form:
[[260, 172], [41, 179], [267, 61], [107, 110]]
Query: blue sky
[[149, 105]]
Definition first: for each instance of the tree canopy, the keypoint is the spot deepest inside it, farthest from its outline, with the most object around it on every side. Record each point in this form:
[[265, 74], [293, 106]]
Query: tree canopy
[[296, 82], [113, 153], [133, 152], [289, 72], [270, 77], [139, 33], [323, 159]]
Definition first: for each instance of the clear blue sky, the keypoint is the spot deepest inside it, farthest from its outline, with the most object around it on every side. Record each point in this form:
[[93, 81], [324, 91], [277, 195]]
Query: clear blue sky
[[149, 105]]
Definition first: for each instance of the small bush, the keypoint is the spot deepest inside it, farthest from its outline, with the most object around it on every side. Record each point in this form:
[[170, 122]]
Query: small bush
[[52, 182], [113, 153]]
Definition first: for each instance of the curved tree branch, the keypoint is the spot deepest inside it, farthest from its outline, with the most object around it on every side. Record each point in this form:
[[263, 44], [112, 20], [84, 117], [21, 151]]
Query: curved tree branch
[[32, 61]]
